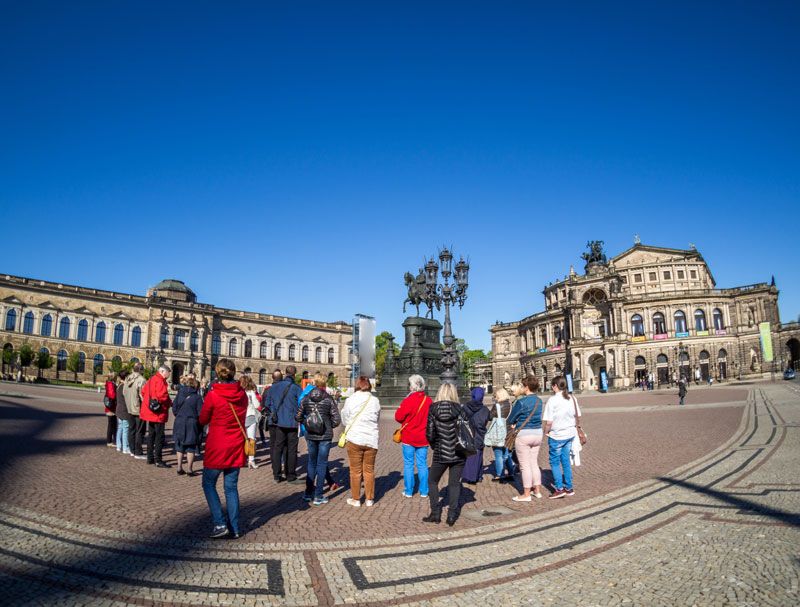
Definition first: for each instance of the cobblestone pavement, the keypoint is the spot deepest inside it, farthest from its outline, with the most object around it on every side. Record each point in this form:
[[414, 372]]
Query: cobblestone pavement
[[693, 505]]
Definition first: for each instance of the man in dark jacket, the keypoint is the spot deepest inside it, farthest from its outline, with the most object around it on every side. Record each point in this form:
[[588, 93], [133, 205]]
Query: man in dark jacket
[[281, 407], [682, 389]]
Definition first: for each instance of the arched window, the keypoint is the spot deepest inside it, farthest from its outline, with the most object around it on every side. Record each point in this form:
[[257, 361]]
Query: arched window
[[119, 334], [232, 347], [83, 330], [262, 350], [262, 376], [135, 360], [680, 322], [304, 354], [164, 338], [179, 339], [194, 341], [639, 362], [719, 320], [61, 360], [81, 362], [659, 324], [47, 325], [637, 325], [292, 351], [44, 350], [278, 351], [27, 323], [247, 371], [216, 344], [661, 359], [700, 320], [330, 356], [557, 331], [723, 354], [704, 356], [544, 338], [63, 328], [318, 355], [248, 349], [11, 320], [97, 363], [100, 333], [136, 337]]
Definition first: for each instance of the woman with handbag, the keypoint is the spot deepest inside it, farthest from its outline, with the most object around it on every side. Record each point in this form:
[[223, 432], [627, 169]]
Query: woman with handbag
[[478, 416], [360, 416], [442, 434], [525, 423], [110, 403], [498, 415], [320, 415], [413, 415], [253, 414], [562, 423], [224, 411]]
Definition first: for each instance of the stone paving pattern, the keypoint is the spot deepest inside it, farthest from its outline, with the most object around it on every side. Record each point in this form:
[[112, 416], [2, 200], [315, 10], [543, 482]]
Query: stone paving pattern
[[694, 506]]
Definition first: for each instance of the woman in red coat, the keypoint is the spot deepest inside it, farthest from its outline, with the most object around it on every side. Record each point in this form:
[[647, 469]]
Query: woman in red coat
[[155, 390], [413, 415], [110, 402], [224, 411]]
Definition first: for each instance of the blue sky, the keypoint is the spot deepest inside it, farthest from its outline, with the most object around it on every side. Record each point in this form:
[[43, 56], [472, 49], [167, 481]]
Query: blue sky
[[298, 158]]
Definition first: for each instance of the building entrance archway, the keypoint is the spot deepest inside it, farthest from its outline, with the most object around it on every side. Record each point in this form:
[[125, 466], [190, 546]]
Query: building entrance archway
[[793, 345], [597, 363], [177, 372]]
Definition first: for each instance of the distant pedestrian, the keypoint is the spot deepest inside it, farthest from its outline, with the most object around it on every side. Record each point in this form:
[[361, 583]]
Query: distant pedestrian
[[526, 415], [360, 415], [682, 390], [478, 416], [123, 417], [697, 376], [110, 404], [253, 413], [503, 460], [155, 411], [133, 401], [282, 407], [186, 428], [442, 434], [224, 410], [412, 415], [319, 414], [560, 420]]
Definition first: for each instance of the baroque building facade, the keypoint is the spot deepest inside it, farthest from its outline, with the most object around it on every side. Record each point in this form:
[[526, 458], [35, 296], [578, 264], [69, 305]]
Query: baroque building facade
[[167, 326], [649, 312]]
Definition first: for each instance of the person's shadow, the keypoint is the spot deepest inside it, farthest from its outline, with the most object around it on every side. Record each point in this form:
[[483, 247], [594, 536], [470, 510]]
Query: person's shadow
[[384, 484]]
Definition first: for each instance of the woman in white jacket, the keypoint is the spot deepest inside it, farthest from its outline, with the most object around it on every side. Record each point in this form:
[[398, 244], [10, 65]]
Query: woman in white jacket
[[360, 417], [253, 413]]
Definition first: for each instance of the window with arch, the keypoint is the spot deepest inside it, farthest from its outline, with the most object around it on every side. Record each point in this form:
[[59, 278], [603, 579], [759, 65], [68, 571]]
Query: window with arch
[[594, 297], [83, 330], [97, 363], [544, 337], [248, 348], [179, 339], [81, 362], [44, 350], [61, 360], [164, 338], [194, 340], [232, 347], [659, 324], [27, 323], [216, 344], [262, 350], [119, 334], [723, 355], [292, 350], [47, 326], [262, 376], [136, 337], [700, 320], [304, 354], [719, 319], [680, 322], [661, 359], [318, 355], [63, 328], [135, 360], [11, 320], [637, 325], [278, 351], [330, 356], [639, 362], [557, 334], [100, 333], [704, 356]]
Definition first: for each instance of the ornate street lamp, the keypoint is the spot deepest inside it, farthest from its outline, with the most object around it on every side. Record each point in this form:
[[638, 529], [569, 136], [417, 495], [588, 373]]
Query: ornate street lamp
[[447, 294]]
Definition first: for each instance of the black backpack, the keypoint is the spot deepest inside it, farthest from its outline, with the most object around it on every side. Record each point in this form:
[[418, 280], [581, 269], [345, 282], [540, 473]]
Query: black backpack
[[314, 422], [465, 436]]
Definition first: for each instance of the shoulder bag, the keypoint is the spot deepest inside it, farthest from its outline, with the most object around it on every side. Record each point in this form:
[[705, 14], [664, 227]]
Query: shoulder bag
[[497, 432], [465, 435], [249, 443], [343, 438], [511, 437], [398, 434], [579, 430]]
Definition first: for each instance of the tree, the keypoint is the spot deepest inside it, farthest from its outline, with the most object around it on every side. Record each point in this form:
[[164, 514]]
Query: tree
[[9, 358], [468, 360], [74, 363], [381, 348], [43, 361], [333, 382], [26, 356], [116, 365]]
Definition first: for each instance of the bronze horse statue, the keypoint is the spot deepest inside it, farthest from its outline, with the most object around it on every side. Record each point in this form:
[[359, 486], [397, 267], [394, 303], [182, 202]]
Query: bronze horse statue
[[416, 290]]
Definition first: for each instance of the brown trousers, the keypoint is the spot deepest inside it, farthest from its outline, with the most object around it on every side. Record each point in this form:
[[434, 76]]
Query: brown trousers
[[362, 462]]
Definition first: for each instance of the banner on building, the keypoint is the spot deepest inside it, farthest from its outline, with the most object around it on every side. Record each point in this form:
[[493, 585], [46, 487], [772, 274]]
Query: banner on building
[[766, 342]]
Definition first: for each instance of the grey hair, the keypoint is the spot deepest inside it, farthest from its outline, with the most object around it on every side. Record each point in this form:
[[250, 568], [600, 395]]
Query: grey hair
[[164, 368], [416, 383]]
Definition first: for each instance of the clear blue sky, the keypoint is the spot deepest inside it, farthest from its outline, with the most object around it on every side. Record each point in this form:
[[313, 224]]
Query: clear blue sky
[[297, 158]]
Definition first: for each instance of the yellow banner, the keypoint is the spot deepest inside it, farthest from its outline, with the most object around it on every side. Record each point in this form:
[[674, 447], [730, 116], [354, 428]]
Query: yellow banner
[[766, 342]]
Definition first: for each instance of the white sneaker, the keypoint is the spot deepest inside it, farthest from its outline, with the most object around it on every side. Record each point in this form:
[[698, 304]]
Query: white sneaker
[[353, 503], [369, 503], [406, 494], [127, 453]]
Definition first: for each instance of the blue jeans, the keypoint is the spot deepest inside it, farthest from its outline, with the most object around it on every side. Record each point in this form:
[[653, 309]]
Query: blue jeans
[[122, 435], [231, 485], [318, 451], [410, 454], [559, 462], [503, 459]]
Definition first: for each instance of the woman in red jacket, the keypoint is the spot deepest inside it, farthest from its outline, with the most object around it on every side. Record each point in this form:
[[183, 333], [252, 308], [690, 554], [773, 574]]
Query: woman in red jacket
[[110, 402], [413, 415], [155, 395], [224, 411]]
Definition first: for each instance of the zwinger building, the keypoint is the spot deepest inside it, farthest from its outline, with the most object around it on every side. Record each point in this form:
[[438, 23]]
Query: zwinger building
[[649, 310], [166, 326]]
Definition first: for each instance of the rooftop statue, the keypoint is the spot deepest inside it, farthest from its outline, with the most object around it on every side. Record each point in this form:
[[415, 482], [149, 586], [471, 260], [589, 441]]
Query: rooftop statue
[[595, 253]]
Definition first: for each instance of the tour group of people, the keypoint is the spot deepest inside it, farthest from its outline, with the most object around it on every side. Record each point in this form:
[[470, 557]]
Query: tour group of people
[[223, 418]]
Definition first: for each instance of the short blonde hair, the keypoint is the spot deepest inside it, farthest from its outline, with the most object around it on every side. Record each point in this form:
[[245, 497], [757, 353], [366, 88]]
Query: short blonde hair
[[501, 395], [320, 381], [517, 390], [447, 391]]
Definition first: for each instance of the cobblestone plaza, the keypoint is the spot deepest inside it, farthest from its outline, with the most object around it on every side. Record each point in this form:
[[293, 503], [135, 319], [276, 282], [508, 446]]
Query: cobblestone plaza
[[696, 505]]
